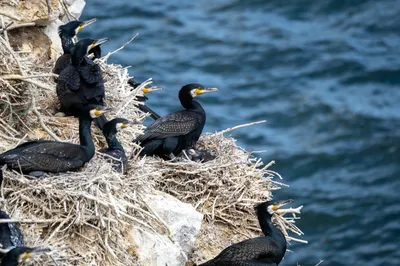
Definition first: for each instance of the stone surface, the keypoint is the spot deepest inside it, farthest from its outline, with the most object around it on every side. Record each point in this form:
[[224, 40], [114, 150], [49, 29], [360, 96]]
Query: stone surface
[[156, 250], [184, 224], [76, 8]]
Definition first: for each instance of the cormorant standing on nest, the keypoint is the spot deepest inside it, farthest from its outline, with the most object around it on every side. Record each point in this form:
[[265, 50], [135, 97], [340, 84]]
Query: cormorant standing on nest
[[81, 82], [266, 250], [10, 234], [115, 148], [36, 157], [19, 254], [144, 98], [67, 34], [169, 135]]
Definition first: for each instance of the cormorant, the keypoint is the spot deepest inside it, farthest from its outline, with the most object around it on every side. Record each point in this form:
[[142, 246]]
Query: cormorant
[[36, 157], [169, 135], [67, 34], [20, 254], [143, 98], [200, 155], [266, 250], [10, 234], [81, 82], [115, 148]]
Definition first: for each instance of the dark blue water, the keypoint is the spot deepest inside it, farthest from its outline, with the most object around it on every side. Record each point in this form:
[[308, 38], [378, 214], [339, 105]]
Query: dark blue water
[[326, 76]]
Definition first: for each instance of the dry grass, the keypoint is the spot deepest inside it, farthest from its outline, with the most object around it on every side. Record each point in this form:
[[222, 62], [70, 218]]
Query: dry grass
[[86, 217]]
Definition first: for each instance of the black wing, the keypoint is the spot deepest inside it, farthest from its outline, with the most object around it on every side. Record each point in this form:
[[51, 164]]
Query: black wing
[[172, 125], [68, 79], [251, 249], [62, 62], [10, 234], [50, 156], [90, 72]]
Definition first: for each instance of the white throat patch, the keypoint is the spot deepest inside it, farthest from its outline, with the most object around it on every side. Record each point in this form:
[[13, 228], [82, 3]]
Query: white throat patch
[[118, 126], [270, 210], [193, 93]]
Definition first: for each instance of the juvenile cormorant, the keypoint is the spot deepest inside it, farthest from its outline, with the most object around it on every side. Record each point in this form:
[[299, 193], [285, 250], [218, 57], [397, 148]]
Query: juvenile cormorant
[[144, 108], [200, 155], [40, 156], [266, 250], [10, 234], [169, 135], [81, 82], [115, 149], [67, 34], [19, 254]]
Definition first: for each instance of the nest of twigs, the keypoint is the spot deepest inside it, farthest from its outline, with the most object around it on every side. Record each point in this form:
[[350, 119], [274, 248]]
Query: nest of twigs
[[86, 217]]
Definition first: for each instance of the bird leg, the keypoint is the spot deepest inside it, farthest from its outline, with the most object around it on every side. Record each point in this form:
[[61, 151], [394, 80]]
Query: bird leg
[[171, 156]]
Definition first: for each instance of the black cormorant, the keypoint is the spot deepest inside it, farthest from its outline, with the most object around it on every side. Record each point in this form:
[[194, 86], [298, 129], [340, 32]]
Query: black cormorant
[[40, 156], [67, 34], [266, 250], [169, 135], [10, 234], [19, 255], [81, 82], [200, 155], [115, 149], [144, 108]]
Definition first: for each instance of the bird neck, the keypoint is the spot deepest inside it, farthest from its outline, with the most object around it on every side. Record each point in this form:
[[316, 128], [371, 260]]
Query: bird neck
[[85, 136], [266, 225], [192, 105], [113, 142], [66, 42]]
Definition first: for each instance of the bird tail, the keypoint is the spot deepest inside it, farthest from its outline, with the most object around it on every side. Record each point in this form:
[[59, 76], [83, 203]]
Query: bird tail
[[146, 109], [100, 121]]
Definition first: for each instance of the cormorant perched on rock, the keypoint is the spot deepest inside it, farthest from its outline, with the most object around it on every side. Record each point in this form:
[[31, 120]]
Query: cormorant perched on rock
[[169, 135], [266, 250], [143, 98], [115, 149], [10, 234], [19, 254], [81, 82], [67, 34], [36, 157]]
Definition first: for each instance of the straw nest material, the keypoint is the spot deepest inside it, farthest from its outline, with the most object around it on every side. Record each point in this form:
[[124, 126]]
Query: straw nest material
[[86, 217]]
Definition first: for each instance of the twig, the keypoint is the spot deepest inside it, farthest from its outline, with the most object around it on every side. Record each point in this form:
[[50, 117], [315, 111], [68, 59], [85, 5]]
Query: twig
[[39, 116], [22, 25], [105, 58], [6, 27], [239, 126], [29, 77], [9, 15], [32, 221]]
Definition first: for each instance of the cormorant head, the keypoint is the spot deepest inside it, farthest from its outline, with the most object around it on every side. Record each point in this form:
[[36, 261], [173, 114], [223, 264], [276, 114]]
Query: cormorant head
[[190, 91], [72, 28], [20, 254], [96, 111], [115, 125], [271, 206], [82, 48], [146, 89]]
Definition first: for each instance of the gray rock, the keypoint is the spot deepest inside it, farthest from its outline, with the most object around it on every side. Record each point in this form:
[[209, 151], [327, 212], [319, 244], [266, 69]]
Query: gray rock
[[183, 222]]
